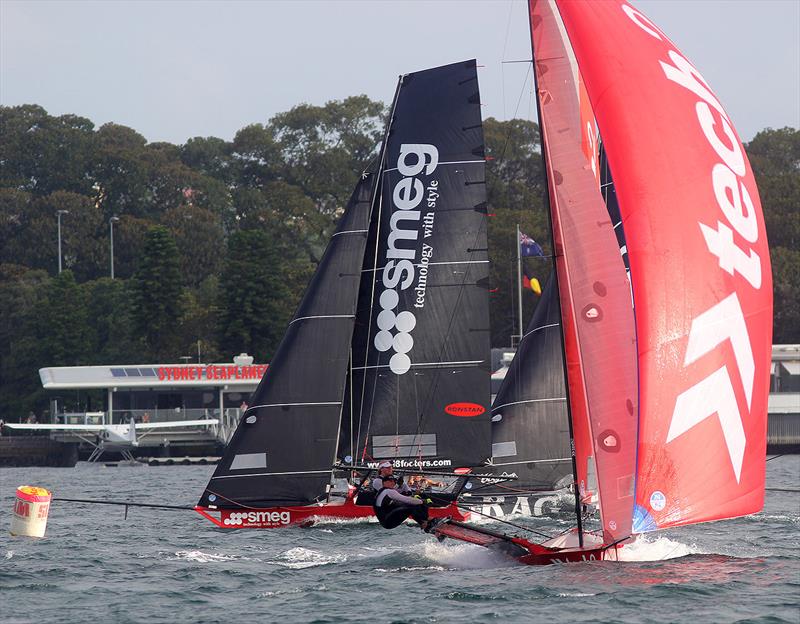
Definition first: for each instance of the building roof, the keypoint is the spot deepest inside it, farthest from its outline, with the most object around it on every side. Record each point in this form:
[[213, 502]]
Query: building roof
[[152, 376]]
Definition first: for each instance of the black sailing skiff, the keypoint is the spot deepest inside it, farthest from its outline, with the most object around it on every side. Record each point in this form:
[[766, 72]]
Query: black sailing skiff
[[387, 354]]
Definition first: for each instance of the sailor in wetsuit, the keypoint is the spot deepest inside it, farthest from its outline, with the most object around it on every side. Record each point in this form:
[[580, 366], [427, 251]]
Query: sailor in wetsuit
[[392, 507]]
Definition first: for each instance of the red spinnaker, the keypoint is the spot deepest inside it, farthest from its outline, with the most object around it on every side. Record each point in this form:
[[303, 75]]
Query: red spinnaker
[[700, 268]]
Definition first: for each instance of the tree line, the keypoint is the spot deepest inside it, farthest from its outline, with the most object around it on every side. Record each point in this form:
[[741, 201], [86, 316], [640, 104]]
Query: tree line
[[214, 240]]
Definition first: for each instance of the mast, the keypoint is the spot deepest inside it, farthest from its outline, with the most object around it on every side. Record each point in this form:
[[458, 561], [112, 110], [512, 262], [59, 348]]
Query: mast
[[576, 489], [519, 285]]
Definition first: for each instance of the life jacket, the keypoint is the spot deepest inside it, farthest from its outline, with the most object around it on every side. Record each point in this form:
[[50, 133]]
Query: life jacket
[[382, 504]]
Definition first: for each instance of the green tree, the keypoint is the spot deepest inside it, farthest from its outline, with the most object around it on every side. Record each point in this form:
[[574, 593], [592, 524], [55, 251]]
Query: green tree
[[775, 158], [156, 294], [323, 148], [109, 308], [199, 236], [23, 300], [255, 303], [199, 321], [64, 332], [515, 189], [15, 209], [786, 291], [210, 156], [288, 214], [120, 172], [42, 154]]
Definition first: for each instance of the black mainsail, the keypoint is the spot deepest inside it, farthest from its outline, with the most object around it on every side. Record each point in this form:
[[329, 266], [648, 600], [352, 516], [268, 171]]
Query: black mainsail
[[420, 386], [284, 447]]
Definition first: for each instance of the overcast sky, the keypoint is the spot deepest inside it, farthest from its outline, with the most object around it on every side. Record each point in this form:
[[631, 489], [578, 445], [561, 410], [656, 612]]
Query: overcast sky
[[175, 70]]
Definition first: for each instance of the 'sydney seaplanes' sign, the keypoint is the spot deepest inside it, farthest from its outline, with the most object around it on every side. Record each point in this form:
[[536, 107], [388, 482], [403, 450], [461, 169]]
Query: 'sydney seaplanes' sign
[[724, 321], [407, 225]]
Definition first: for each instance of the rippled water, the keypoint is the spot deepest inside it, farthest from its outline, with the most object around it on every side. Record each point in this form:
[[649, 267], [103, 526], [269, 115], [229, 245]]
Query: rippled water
[[159, 565]]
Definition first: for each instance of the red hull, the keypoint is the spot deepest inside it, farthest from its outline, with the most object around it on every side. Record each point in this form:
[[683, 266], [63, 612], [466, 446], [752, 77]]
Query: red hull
[[282, 517], [541, 555], [520, 549]]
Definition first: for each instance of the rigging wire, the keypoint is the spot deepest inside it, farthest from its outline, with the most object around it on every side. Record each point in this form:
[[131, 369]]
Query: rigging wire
[[503, 56], [480, 513]]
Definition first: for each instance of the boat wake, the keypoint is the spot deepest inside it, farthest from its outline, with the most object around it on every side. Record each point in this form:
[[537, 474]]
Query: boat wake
[[655, 549], [198, 556], [299, 558], [463, 556]]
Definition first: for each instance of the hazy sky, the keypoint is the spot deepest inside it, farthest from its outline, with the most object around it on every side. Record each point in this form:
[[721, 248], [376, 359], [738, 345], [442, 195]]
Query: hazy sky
[[175, 70]]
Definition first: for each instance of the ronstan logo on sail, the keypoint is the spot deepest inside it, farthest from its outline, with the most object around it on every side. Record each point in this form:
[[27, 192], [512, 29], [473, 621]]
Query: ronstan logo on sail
[[400, 268], [465, 409]]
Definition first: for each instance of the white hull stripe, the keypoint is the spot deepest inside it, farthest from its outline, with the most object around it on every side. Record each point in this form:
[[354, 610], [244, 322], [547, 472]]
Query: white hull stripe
[[255, 407], [452, 162], [351, 232], [325, 316], [417, 365], [540, 327], [532, 461], [499, 407], [271, 474]]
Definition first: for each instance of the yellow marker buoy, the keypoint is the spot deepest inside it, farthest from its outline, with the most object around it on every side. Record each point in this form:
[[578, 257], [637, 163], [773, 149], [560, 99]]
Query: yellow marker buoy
[[30, 511]]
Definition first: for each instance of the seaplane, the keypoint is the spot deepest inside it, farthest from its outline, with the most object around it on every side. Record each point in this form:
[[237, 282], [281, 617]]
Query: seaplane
[[119, 438]]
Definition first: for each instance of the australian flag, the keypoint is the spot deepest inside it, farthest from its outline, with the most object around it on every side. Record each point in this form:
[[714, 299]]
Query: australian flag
[[529, 247]]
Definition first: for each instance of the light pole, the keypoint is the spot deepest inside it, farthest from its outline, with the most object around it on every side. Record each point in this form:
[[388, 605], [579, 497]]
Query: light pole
[[59, 213], [111, 222]]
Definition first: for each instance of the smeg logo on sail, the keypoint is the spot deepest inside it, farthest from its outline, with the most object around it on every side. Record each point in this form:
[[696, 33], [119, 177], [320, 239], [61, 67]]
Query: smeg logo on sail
[[402, 267]]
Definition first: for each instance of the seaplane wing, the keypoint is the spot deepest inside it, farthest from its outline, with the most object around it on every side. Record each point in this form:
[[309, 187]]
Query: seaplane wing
[[86, 428], [206, 422]]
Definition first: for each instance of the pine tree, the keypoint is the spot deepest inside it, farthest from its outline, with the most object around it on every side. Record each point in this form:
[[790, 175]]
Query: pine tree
[[255, 302], [156, 291]]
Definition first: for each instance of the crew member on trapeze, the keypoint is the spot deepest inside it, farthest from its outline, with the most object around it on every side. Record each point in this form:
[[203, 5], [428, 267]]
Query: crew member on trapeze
[[392, 507]]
